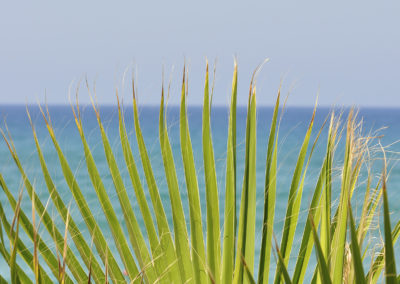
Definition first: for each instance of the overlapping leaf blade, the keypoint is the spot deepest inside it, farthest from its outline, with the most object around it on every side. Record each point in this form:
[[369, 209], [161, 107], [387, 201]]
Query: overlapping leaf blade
[[94, 229], [228, 252], [137, 239], [390, 264], [196, 230], [76, 268], [269, 198], [164, 255], [340, 226], [246, 230], [323, 267], [213, 229], [293, 207], [178, 216], [81, 245], [355, 250]]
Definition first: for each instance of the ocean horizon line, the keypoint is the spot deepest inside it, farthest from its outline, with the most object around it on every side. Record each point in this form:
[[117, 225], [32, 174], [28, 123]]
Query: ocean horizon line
[[200, 106]]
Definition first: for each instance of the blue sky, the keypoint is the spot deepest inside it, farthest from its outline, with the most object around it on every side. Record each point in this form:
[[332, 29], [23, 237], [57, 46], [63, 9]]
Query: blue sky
[[348, 51]]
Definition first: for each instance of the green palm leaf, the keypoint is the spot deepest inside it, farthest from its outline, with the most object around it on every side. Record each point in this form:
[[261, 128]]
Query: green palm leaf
[[293, 207], [213, 229], [355, 249], [228, 252], [269, 198], [166, 243], [178, 216], [322, 264], [137, 239], [246, 231], [147, 250], [390, 264], [94, 229], [198, 251]]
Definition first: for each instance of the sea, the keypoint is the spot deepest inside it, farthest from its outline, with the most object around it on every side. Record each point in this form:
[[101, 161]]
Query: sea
[[382, 125]]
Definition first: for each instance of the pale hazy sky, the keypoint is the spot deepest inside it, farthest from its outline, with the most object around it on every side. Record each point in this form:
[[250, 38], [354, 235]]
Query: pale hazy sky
[[348, 50]]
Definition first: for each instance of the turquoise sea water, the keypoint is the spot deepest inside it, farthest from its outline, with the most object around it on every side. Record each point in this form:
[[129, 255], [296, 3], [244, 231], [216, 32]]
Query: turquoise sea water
[[292, 130]]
